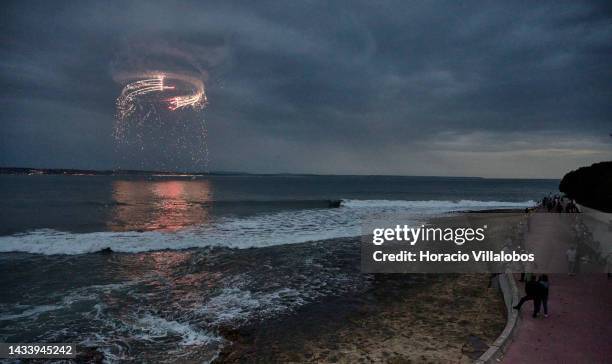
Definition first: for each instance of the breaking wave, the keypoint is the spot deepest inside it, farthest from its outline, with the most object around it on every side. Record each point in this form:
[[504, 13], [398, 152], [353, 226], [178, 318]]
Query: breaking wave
[[258, 230]]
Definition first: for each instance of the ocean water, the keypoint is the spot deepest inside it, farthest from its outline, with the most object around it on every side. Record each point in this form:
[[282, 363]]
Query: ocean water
[[197, 258]]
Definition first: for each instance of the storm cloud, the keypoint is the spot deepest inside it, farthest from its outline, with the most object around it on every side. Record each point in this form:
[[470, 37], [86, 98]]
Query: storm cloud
[[359, 87]]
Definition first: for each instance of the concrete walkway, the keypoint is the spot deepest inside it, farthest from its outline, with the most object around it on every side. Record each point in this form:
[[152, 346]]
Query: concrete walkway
[[579, 326]]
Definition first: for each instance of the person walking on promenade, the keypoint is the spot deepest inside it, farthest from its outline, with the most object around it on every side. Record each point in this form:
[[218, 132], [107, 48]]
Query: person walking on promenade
[[571, 260], [543, 293], [532, 289]]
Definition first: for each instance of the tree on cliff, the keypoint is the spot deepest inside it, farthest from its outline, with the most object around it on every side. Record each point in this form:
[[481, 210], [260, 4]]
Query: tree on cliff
[[590, 186]]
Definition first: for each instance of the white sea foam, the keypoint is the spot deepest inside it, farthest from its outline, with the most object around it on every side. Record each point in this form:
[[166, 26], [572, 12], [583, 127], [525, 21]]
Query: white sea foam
[[153, 327], [436, 204], [30, 313], [149, 330], [260, 230], [234, 306], [62, 301]]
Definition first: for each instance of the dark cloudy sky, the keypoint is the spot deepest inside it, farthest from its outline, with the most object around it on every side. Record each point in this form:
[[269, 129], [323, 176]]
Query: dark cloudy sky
[[496, 89]]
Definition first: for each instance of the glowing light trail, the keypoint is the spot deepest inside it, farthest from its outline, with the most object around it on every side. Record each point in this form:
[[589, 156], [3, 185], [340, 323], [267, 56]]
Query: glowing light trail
[[126, 103], [194, 101]]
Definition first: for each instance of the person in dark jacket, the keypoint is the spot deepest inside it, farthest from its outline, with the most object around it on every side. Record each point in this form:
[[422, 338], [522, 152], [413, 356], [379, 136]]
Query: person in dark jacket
[[532, 293], [543, 293]]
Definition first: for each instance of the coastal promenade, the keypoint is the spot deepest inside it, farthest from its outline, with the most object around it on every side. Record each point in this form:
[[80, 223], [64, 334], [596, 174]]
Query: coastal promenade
[[579, 326]]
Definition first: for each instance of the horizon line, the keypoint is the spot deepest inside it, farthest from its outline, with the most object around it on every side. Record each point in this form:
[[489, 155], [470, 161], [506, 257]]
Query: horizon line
[[7, 170]]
